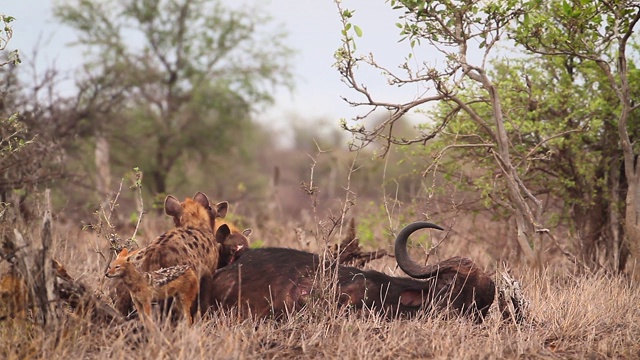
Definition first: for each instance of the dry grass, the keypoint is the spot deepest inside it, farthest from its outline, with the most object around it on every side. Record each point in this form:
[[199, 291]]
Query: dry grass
[[585, 317]]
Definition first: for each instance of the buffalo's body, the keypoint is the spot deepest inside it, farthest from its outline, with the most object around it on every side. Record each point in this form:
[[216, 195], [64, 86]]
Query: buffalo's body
[[261, 278], [274, 280]]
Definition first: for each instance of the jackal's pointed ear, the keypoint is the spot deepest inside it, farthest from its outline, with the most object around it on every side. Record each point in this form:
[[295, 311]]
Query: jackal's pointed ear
[[247, 232], [172, 206], [201, 199], [124, 252], [223, 233], [221, 209]]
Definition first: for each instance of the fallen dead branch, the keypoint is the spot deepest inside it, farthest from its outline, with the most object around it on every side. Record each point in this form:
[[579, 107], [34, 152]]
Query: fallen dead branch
[[41, 284], [81, 300], [511, 301], [32, 261]]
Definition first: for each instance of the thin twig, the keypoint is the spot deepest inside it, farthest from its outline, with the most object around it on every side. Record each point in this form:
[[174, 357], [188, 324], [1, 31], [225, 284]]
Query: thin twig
[[566, 253]]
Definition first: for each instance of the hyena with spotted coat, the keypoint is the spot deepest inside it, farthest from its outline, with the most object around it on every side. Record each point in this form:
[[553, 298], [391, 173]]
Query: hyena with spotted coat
[[233, 242], [192, 242]]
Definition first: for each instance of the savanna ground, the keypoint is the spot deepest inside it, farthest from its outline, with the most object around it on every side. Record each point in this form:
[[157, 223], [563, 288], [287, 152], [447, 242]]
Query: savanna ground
[[586, 316]]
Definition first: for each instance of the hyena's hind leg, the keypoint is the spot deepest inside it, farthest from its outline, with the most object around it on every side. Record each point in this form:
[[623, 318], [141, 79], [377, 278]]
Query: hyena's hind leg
[[187, 297]]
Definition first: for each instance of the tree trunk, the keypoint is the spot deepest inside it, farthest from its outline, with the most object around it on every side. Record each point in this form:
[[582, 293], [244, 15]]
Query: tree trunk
[[159, 182], [103, 170], [632, 221], [525, 219], [631, 168], [33, 261], [619, 255], [590, 215], [162, 167]]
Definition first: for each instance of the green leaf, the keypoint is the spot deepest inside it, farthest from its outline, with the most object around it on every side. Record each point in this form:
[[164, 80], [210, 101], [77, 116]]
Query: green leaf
[[566, 8], [358, 31]]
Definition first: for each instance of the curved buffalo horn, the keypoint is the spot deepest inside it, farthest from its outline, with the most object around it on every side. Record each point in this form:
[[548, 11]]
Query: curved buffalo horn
[[407, 265]]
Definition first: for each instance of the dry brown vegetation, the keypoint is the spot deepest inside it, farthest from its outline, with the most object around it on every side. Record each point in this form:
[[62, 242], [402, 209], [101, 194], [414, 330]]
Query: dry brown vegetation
[[570, 316]]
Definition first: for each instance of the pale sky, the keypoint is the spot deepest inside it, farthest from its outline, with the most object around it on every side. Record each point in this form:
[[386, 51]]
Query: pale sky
[[314, 33]]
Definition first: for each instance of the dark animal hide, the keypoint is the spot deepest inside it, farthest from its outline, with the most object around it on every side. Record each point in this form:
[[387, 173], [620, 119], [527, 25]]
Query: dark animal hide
[[271, 281]]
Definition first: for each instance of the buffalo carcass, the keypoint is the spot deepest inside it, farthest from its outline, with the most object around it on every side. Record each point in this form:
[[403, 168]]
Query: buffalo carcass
[[271, 281]]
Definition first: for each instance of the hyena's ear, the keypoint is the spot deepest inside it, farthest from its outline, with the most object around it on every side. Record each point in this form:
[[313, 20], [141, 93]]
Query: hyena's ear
[[201, 199], [172, 206], [221, 209], [247, 232], [223, 233]]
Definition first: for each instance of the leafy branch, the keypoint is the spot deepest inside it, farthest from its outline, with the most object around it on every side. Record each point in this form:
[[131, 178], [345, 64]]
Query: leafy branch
[[6, 33]]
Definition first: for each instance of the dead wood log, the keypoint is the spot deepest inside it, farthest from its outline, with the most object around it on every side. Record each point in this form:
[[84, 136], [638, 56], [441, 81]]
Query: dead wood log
[[33, 261], [46, 282], [512, 304], [81, 300]]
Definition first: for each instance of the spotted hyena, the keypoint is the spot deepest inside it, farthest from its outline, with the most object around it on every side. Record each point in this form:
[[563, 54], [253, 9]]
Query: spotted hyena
[[233, 242], [192, 242]]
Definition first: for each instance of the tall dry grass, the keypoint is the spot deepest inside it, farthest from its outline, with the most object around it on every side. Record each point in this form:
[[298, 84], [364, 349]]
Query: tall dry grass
[[576, 317]]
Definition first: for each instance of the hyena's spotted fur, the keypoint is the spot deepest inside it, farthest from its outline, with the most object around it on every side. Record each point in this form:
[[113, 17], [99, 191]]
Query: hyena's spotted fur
[[191, 243], [233, 242]]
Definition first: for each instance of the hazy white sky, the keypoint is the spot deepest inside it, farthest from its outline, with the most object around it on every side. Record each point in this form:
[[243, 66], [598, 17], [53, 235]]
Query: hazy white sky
[[314, 32]]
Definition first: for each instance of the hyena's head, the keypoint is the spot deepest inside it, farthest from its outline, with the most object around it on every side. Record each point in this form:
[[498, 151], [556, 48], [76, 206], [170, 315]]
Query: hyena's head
[[233, 242], [119, 265], [196, 212]]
